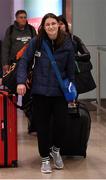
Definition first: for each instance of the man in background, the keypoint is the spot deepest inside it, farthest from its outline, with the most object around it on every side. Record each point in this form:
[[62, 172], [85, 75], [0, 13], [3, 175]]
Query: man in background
[[16, 36]]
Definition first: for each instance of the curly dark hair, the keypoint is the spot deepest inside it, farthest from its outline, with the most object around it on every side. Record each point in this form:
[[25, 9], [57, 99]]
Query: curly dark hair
[[42, 33]]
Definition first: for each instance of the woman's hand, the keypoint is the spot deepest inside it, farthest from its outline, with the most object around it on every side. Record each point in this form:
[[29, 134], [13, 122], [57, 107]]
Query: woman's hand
[[21, 89], [72, 104]]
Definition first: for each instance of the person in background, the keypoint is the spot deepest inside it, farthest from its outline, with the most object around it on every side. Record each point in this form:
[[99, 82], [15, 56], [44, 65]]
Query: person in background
[[16, 36], [84, 81], [47, 95], [79, 46]]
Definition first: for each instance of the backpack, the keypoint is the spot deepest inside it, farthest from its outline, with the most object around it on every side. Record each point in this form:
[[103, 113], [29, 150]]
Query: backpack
[[9, 78]]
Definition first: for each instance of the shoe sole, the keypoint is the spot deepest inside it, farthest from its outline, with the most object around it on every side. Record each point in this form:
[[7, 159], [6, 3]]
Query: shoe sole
[[57, 167], [46, 172]]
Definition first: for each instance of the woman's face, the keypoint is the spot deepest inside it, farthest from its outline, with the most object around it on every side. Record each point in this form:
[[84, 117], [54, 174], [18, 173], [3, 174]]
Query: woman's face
[[51, 27], [62, 26]]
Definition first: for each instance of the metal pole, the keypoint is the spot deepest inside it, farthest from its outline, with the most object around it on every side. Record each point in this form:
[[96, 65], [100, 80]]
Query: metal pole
[[98, 82], [72, 17]]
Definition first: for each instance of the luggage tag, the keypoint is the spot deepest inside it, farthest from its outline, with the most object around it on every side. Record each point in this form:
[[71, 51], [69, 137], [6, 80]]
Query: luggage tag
[[37, 54]]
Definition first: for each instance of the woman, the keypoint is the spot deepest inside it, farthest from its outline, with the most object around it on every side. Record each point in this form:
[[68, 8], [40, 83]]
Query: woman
[[46, 93], [83, 77]]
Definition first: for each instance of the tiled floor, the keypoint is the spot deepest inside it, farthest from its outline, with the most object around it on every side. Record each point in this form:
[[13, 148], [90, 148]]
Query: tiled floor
[[93, 167]]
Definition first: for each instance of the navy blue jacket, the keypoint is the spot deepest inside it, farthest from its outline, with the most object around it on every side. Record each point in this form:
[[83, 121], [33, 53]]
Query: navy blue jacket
[[44, 79]]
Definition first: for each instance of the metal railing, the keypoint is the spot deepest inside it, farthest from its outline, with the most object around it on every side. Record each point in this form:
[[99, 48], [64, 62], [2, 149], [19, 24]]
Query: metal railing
[[97, 103]]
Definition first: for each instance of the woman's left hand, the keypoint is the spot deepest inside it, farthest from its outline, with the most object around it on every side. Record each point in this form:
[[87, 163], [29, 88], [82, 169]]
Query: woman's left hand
[[72, 104]]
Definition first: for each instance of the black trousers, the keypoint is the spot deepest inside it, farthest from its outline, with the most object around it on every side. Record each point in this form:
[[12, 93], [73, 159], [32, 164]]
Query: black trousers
[[44, 109]]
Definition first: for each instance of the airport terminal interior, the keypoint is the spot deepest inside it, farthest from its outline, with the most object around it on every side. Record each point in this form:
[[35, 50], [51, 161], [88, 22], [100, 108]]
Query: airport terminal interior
[[91, 167], [88, 21]]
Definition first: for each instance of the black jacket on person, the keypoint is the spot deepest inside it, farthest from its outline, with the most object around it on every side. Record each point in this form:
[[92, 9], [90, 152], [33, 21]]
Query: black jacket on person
[[83, 76], [79, 47], [14, 40]]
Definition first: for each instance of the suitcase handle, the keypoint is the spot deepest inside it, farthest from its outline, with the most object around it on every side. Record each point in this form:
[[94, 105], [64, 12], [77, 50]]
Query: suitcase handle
[[2, 130], [5, 93], [74, 108]]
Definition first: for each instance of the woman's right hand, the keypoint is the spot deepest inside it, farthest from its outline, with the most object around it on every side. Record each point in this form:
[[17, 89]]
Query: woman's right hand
[[21, 89]]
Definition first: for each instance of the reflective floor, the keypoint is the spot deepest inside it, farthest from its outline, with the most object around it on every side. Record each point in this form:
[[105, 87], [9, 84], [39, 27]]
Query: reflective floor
[[93, 167]]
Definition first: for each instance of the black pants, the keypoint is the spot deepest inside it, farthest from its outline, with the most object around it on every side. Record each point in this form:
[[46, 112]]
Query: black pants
[[45, 108]]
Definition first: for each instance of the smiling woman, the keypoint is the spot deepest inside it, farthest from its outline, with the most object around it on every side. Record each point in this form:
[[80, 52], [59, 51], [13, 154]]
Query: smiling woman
[[47, 96]]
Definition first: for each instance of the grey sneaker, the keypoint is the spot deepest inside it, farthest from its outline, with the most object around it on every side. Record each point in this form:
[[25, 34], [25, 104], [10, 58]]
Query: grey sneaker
[[58, 162], [46, 167]]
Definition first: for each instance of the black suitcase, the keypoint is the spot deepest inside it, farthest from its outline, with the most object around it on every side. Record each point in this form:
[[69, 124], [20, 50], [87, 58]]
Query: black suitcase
[[77, 131]]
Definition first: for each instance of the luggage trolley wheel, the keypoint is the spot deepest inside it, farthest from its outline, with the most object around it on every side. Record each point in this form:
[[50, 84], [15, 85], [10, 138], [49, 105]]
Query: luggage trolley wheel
[[84, 155], [14, 164]]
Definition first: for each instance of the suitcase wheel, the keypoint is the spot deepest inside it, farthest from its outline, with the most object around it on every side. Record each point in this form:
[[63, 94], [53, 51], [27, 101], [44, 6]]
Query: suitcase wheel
[[14, 164], [85, 155]]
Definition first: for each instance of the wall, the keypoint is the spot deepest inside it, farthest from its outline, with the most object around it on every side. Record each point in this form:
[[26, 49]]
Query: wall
[[89, 22], [17, 4], [6, 11]]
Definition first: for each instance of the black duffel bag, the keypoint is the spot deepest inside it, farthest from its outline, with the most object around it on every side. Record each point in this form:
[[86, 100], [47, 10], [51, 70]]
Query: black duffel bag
[[83, 66], [83, 77]]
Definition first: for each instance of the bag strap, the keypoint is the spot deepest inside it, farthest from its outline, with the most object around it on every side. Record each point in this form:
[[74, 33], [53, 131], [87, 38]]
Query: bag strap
[[54, 65], [78, 69]]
